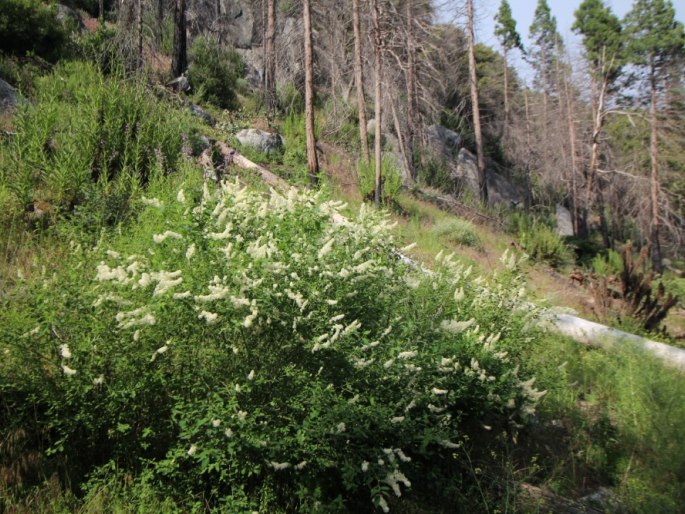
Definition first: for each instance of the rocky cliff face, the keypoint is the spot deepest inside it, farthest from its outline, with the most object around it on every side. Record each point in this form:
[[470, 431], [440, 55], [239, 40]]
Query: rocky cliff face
[[238, 24]]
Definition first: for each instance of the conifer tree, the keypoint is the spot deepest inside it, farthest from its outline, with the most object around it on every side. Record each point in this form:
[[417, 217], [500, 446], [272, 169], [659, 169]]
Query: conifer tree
[[509, 38], [602, 41], [546, 45], [655, 46]]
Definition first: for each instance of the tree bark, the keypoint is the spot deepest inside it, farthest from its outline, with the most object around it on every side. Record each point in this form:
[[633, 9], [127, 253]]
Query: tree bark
[[378, 64], [412, 104], [179, 60], [312, 159], [359, 81], [408, 175], [528, 200], [655, 186], [506, 89], [270, 55], [594, 151], [482, 180], [570, 118], [139, 20]]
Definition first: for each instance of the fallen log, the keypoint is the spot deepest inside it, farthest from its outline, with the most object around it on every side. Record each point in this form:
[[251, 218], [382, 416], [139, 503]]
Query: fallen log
[[579, 329]]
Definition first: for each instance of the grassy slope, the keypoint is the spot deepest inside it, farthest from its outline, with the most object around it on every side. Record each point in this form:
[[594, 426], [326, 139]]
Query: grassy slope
[[616, 415]]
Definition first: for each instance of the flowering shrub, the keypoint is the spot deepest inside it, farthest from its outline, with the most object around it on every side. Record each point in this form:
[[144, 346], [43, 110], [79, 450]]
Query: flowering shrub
[[252, 354]]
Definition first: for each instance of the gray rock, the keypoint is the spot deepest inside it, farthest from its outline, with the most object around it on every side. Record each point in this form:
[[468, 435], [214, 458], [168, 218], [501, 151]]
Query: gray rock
[[69, 18], [9, 98], [265, 142], [252, 60], [564, 221], [442, 141], [466, 173], [371, 127], [198, 111], [231, 22], [501, 191]]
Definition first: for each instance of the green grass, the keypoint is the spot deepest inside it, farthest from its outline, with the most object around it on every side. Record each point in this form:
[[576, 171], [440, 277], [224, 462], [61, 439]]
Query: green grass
[[457, 231], [621, 413]]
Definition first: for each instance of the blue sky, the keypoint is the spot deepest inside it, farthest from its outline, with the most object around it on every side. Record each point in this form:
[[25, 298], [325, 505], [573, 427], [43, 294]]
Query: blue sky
[[562, 9]]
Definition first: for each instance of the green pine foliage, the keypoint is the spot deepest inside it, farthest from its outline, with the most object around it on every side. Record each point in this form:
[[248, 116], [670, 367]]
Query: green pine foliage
[[214, 72], [546, 46], [602, 36], [655, 39], [505, 28]]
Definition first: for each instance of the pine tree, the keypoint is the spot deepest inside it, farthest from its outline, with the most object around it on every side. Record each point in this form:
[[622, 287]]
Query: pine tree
[[655, 45], [509, 38], [602, 41], [545, 49], [602, 36]]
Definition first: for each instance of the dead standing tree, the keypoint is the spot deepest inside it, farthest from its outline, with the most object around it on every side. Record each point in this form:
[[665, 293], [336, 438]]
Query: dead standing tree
[[312, 159]]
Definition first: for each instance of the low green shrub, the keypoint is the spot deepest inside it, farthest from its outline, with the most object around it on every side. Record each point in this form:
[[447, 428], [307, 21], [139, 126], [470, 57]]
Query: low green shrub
[[609, 264], [213, 72], [30, 26], [242, 352], [391, 180], [290, 100], [457, 231], [89, 142], [435, 174], [540, 241], [293, 132]]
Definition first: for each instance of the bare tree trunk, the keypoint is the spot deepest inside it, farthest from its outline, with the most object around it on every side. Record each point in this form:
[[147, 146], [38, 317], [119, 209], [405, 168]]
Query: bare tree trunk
[[594, 151], [408, 176], [378, 62], [482, 180], [179, 60], [570, 118], [506, 90], [359, 80], [101, 10], [139, 20], [528, 200], [412, 104], [655, 186], [312, 160], [270, 55]]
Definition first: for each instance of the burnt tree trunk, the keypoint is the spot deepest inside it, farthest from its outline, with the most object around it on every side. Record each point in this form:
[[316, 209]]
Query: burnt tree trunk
[[179, 60]]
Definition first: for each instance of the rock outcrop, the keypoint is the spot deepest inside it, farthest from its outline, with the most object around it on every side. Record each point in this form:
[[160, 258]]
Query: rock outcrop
[[501, 191], [265, 142], [564, 221], [441, 141], [9, 97]]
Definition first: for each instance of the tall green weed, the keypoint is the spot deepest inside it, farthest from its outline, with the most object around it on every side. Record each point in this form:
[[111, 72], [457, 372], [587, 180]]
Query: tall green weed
[[540, 241], [622, 413], [89, 142], [391, 180]]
